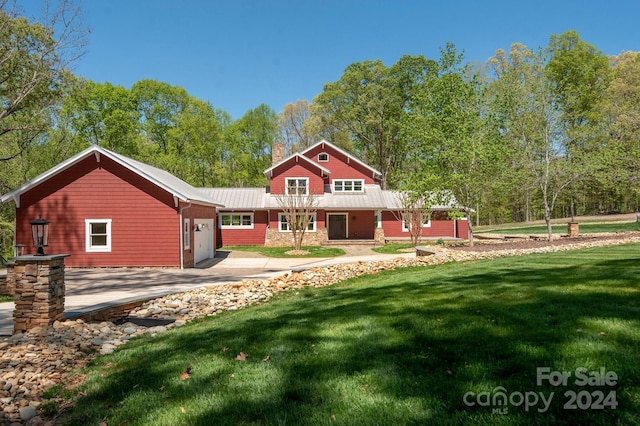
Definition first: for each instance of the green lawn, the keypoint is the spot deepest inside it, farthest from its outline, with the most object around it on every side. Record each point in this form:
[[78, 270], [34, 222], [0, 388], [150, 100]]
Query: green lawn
[[585, 228], [314, 251], [393, 248], [401, 347], [6, 298]]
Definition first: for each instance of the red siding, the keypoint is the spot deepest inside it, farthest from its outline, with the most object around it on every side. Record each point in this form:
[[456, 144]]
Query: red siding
[[245, 237], [320, 219], [145, 226], [462, 227], [361, 225], [340, 165], [439, 228], [301, 169], [193, 213]]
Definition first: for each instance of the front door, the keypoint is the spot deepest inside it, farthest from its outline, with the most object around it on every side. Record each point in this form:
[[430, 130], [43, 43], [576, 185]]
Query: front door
[[337, 226]]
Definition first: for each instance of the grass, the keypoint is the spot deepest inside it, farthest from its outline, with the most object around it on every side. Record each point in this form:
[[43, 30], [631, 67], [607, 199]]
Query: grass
[[400, 347], [393, 248], [281, 252], [585, 228], [6, 298]]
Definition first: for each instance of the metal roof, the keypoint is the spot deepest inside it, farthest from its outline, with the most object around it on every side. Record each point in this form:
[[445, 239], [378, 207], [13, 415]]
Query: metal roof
[[373, 198], [238, 198]]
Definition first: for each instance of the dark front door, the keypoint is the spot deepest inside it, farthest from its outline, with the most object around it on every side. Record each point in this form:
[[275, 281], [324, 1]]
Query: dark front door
[[337, 227]]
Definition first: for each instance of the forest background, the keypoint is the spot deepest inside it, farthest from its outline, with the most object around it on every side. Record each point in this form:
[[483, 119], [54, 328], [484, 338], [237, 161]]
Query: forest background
[[531, 134]]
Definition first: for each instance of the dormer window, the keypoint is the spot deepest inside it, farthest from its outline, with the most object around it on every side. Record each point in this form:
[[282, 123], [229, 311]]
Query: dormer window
[[297, 186], [348, 185], [323, 157]]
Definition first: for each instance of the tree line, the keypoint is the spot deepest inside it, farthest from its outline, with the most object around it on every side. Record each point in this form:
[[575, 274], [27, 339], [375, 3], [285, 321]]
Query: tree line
[[530, 134]]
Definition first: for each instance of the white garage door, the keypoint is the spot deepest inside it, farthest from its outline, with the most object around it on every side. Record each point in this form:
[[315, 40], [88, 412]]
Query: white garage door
[[203, 239]]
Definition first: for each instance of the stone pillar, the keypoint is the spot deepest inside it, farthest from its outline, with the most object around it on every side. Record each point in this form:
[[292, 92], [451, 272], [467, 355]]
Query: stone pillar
[[378, 236], [573, 229], [38, 291]]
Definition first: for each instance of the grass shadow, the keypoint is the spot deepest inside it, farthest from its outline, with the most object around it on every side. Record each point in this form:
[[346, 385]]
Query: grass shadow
[[399, 347]]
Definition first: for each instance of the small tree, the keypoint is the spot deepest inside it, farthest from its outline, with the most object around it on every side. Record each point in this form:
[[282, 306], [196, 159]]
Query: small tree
[[414, 213], [298, 209]]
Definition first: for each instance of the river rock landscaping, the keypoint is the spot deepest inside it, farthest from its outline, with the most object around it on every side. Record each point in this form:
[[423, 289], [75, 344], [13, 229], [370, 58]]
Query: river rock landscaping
[[33, 362]]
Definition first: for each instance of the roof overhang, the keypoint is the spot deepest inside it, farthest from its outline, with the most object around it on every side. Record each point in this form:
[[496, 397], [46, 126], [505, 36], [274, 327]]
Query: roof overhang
[[98, 152], [350, 158], [297, 158]]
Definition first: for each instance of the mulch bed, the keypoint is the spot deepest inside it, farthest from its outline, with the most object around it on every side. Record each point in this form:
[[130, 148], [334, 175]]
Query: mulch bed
[[491, 245]]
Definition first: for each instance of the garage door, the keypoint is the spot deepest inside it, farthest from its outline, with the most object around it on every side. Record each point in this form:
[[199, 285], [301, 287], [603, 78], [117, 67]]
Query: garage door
[[203, 240]]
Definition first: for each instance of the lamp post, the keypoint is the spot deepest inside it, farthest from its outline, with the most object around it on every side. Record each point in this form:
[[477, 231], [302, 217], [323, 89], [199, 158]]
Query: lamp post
[[40, 235]]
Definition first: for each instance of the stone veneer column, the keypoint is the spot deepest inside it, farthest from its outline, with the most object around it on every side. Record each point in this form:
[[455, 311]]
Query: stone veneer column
[[39, 291], [378, 236]]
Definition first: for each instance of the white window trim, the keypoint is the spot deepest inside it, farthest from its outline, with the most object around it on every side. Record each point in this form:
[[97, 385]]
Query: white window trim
[[315, 223], [424, 225], [323, 161], [333, 184], [186, 233], [231, 226], [286, 184], [97, 249]]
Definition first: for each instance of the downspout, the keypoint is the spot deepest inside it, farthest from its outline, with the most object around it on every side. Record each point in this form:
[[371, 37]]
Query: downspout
[[182, 232]]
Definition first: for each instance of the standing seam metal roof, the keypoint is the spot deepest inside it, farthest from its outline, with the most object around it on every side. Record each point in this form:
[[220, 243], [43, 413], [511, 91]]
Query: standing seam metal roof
[[373, 198]]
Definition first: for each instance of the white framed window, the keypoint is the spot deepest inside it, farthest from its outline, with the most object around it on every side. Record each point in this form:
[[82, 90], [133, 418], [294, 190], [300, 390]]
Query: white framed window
[[186, 230], [297, 186], [97, 235], [284, 226], [348, 185], [406, 222], [323, 157], [236, 220]]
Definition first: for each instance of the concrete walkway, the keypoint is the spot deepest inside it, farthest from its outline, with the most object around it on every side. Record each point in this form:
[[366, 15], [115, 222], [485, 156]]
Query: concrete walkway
[[91, 289]]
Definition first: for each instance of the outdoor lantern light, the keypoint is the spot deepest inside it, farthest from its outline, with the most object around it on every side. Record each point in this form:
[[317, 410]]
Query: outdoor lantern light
[[40, 234]]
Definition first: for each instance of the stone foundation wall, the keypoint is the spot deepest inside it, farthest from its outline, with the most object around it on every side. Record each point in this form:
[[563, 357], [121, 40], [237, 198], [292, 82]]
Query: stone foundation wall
[[38, 293], [378, 236], [285, 239]]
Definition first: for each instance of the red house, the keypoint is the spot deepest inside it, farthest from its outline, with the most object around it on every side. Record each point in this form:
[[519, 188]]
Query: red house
[[109, 210], [351, 206]]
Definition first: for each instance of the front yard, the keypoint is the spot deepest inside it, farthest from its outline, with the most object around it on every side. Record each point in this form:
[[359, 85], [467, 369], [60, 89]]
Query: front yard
[[429, 345]]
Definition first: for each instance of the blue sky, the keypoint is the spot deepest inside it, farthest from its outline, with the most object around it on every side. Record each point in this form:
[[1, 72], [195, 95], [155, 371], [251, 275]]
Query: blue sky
[[238, 54]]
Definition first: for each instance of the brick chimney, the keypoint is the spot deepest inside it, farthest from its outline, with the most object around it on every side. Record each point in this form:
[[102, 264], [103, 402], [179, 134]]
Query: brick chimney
[[277, 153]]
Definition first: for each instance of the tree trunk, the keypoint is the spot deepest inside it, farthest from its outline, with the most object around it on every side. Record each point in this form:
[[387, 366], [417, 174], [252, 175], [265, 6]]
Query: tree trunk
[[468, 214], [547, 218]]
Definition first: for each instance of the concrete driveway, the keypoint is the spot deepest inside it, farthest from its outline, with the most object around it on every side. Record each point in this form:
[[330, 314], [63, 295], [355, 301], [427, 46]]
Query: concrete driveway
[[94, 288]]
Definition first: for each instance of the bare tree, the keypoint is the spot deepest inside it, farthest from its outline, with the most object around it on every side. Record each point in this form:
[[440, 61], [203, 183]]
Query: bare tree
[[414, 213], [294, 128], [298, 209], [35, 61]]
